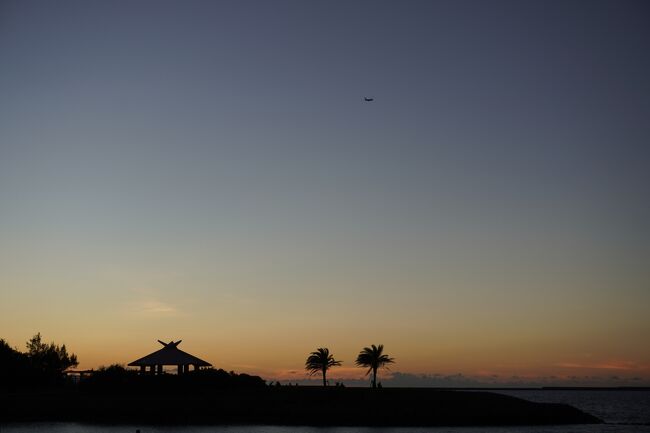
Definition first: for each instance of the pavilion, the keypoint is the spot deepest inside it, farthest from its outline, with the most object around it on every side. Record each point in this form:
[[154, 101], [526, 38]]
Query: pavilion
[[170, 354]]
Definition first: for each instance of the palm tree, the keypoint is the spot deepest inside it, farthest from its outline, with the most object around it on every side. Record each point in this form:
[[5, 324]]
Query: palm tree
[[373, 358], [321, 361]]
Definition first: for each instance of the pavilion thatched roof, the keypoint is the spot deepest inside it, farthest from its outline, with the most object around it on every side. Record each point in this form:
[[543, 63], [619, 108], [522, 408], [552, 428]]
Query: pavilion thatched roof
[[170, 354]]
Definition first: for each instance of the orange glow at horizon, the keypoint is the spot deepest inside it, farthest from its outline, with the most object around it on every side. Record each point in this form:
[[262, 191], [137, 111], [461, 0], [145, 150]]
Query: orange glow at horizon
[[269, 333], [255, 356]]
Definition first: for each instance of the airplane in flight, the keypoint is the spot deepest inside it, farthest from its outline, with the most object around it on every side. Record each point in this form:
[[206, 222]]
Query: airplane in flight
[[365, 98]]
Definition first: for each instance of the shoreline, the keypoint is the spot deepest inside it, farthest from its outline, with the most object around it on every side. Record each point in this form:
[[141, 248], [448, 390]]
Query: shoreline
[[291, 406]]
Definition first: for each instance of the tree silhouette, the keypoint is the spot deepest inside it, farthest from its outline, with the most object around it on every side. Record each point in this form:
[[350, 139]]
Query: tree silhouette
[[50, 360], [321, 361], [373, 358], [41, 365]]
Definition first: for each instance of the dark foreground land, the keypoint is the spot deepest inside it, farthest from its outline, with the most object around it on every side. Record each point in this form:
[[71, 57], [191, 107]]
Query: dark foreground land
[[289, 406]]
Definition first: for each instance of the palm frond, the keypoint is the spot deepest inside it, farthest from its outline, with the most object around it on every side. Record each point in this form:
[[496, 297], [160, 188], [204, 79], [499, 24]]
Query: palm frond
[[373, 358], [320, 360]]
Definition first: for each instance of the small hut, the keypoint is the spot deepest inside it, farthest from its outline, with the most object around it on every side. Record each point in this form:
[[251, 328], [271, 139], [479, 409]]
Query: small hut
[[170, 354]]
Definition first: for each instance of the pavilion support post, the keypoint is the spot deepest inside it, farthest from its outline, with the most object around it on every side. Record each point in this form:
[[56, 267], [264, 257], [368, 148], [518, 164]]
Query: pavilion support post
[[143, 370], [160, 369], [180, 369]]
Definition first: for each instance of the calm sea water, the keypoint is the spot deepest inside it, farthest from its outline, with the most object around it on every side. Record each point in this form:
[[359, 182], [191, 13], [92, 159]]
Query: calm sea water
[[624, 412], [617, 407]]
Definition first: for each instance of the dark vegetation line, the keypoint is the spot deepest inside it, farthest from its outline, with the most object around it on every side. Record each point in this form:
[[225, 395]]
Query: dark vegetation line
[[44, 365]]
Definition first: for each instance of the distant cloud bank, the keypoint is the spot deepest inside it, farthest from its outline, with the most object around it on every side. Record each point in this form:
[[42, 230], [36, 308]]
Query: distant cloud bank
[[459, 380]]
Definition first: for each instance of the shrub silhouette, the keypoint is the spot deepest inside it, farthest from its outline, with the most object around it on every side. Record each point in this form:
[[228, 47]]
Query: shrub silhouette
[[15, 367], [116, 379]]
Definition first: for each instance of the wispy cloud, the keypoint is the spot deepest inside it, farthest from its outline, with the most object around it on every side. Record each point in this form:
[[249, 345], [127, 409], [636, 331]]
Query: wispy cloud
[[610, 365], [152, 308]]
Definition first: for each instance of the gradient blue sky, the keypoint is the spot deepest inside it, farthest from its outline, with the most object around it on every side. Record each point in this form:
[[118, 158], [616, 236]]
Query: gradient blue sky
[[209, 171]]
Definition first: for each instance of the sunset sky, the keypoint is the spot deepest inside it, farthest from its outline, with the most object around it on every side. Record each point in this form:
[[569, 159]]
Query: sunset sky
[[209, 171]]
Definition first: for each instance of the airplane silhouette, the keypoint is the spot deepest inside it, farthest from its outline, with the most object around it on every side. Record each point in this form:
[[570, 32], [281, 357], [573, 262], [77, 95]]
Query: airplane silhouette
[[365, 98]]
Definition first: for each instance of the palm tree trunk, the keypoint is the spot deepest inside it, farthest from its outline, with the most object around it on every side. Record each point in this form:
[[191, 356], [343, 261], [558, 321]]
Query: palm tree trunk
[[324, 380], [374, 378]]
